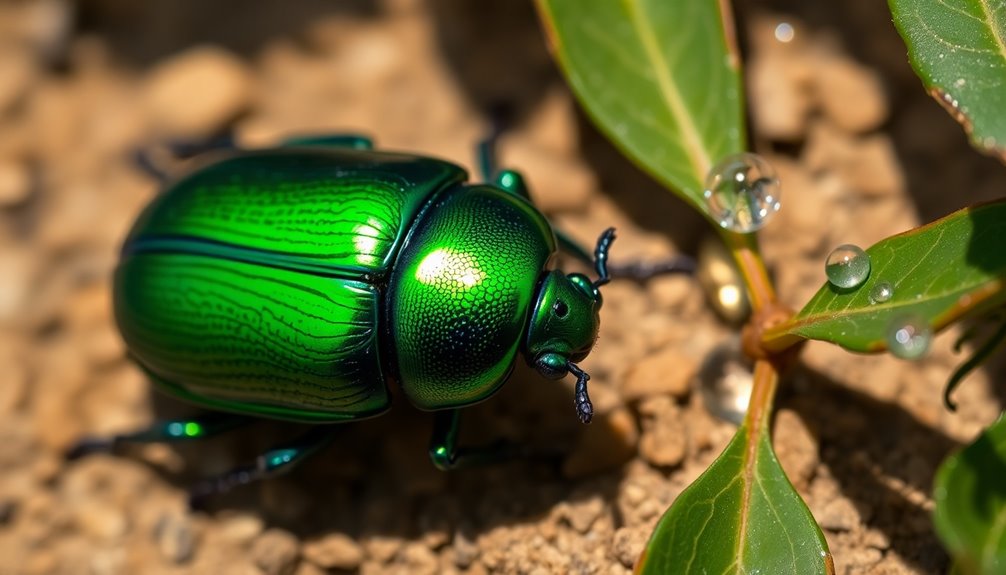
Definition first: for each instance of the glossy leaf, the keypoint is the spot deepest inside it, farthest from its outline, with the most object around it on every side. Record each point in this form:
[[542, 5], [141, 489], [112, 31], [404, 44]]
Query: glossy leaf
[[661, 79], [939, 272], [970, 495], [741, 516], [958, 48]]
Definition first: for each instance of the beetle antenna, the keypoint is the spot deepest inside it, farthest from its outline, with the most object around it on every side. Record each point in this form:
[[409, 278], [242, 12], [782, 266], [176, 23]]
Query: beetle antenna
[[601, 257], [584, 408]]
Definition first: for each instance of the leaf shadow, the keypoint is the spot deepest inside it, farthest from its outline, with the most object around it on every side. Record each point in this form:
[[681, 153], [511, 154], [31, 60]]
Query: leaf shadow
[[882, 458]]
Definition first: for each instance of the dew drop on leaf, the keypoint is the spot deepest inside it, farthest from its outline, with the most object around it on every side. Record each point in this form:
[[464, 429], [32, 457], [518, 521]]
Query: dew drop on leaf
[[847, 266], [882, 292], [742, 192], [908, 337]]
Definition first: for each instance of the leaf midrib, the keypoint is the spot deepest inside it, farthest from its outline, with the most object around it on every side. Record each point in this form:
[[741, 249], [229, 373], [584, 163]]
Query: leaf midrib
[[694, 148], [853, 312], [997, 33]]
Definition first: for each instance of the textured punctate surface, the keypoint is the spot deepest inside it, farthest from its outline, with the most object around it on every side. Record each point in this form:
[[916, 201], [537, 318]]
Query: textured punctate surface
[[461, 293], [335, 210], [253, 338]]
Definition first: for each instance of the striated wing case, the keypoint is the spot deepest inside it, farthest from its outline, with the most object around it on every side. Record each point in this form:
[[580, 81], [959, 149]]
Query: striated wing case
[[254, 284]]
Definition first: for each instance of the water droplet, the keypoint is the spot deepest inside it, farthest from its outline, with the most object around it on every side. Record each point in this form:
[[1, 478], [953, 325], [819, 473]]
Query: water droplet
[[742, 192], [724, 380], [847, 266], [882, 292], [784, 32], [909, 337]]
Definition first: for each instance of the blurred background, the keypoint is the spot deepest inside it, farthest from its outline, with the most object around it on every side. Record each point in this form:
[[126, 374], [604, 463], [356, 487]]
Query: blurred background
[[862, 151]]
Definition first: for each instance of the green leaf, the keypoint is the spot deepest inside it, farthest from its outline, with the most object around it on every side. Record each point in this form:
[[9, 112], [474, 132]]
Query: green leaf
[[970, 494], [741, 516], [939, 272], [661, 79], [958, 48]]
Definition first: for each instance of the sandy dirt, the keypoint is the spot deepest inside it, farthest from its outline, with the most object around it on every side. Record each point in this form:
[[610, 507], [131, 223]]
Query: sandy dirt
[[862, 151]]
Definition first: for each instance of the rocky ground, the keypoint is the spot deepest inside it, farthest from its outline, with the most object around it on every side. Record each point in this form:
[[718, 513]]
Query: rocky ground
[[862, 151]]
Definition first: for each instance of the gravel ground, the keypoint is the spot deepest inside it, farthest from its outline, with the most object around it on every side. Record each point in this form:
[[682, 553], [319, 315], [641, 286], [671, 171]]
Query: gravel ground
[[863, 153]]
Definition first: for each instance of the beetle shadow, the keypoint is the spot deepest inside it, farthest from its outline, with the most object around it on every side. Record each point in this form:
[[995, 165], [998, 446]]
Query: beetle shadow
[[881, 457], [377, 481]]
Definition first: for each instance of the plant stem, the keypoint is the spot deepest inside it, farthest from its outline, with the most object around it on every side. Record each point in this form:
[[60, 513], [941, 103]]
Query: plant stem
[[765, 380], [744, 248]]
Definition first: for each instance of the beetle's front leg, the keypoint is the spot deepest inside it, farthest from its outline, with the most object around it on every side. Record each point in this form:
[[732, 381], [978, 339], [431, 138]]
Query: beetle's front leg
[[446, 454]]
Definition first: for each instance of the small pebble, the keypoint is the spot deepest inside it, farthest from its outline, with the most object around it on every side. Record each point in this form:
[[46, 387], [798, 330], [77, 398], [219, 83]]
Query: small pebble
[[780, 98], [334, 551], [276, 552], [241, 528], [13, 381], [18, 73], [419, 559], [795, 446], [838, 515], [17, 268], [583, 513], [850, 94], [175, 538], [668, 371], [381, 547], [197, 92], [664, 438], [102, 521], [466, 550], [15, 182], [627, 544]]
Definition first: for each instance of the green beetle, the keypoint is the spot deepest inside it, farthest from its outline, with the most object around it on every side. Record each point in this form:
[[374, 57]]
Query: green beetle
[[295, 283]]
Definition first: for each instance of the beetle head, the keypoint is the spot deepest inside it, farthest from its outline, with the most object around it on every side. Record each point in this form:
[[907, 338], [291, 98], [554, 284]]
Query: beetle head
[[565, 322]]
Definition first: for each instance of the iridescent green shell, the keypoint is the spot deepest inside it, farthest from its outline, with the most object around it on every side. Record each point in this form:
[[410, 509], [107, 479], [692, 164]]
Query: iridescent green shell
[[255, 284], [293, 283]]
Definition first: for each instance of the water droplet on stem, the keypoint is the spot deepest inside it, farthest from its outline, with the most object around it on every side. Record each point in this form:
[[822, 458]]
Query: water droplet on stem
[[742, 192]]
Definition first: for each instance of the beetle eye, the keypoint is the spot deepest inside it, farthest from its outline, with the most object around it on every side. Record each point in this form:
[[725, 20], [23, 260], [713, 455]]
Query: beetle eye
[[560, 309]]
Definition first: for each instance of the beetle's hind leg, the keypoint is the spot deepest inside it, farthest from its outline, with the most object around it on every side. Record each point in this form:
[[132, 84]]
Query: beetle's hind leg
[[276, 461], [166, 431]]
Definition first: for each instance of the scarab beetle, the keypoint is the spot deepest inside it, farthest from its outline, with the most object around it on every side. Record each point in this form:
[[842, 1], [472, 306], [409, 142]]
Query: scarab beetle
[[299, 282]]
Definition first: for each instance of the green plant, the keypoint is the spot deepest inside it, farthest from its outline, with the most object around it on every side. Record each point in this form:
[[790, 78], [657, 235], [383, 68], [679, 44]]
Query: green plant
[[662, 80]]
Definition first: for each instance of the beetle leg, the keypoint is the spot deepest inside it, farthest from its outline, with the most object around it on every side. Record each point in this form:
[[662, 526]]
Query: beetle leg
[[446, 454], [171, 430], [276, 461]]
